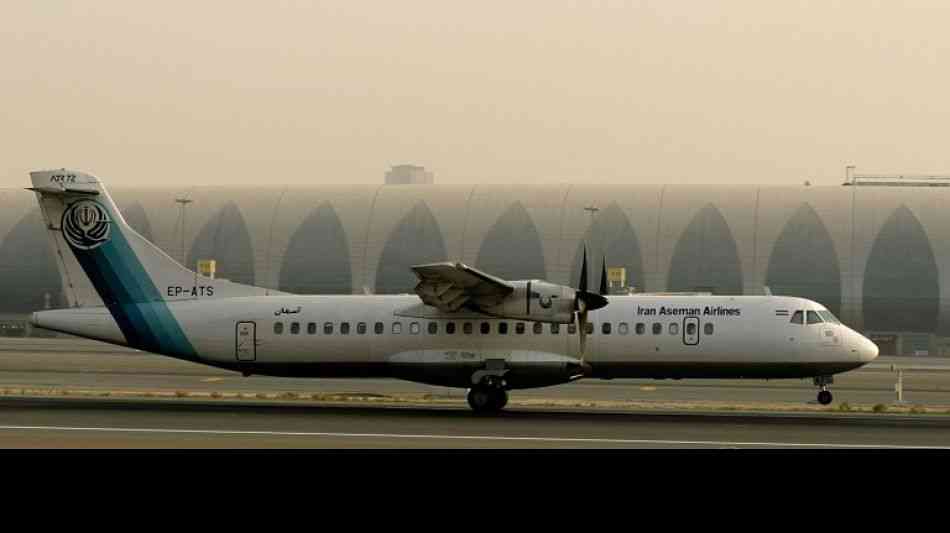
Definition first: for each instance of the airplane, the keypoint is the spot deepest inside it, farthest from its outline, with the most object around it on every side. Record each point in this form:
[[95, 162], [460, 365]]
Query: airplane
[[462, 328]]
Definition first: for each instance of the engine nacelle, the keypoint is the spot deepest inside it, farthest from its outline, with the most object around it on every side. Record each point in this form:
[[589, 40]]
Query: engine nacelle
[[537, 301]]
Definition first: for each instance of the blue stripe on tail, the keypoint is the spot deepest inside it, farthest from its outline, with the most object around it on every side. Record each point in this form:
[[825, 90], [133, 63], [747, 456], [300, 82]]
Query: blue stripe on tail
[[131, 297]]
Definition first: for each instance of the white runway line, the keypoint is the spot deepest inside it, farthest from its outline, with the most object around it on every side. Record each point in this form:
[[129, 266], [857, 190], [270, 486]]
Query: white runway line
[[579, 440]]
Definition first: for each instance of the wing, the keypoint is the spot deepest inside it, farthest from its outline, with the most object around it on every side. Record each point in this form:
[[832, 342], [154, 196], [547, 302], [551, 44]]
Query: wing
[[450, 286]]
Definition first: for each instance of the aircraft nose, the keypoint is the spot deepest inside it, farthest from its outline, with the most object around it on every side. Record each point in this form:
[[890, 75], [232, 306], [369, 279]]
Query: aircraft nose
[[867, 350]]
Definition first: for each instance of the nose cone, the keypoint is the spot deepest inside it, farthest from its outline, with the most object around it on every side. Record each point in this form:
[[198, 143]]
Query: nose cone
[[867, 350]]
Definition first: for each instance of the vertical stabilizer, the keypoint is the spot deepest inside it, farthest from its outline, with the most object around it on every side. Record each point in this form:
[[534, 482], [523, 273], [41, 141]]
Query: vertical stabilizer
[[105, 262]]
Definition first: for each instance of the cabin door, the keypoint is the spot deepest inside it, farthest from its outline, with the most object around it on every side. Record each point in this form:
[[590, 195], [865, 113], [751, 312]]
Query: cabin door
[[691, 330], [246, 341]]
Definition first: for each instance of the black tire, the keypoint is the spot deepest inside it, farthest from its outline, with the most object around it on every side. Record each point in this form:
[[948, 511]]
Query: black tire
[[480, 399], [501, 399], [824, 397]]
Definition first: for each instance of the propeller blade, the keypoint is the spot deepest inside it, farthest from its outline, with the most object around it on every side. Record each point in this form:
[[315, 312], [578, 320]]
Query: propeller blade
[[582, 286], [582, 331], [603, 278]]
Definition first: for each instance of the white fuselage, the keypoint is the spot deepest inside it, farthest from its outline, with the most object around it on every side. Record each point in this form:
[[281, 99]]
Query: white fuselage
[[647, 336]]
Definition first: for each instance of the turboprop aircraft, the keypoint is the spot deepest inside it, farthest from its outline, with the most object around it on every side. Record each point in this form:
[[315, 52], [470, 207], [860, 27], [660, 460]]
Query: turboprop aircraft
[[462, 327]]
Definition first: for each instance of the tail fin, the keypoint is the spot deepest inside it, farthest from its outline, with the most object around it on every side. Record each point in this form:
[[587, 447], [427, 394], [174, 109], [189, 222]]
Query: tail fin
[[102, 258], [104, 261]]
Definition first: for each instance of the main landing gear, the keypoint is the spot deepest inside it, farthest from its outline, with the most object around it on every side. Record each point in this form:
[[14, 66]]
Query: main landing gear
[[824, 395], [489, 396]]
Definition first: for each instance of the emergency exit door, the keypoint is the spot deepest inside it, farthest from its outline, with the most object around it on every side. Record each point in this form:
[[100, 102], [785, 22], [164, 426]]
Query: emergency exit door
[[246, 342], [691, 331]]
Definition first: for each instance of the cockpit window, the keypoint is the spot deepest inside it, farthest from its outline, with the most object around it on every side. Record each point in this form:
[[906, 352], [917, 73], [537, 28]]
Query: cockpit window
[[829, 317], [813, 318], [798, 317]]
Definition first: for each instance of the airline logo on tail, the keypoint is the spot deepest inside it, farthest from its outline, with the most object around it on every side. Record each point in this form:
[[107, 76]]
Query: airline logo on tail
[[86, 225]]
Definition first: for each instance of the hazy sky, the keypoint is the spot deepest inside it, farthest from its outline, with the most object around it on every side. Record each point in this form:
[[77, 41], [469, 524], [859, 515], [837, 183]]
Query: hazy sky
[[524, 91]]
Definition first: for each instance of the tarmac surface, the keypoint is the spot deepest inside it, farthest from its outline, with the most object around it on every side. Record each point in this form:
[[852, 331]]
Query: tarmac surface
[[107, 423], [81, 394]]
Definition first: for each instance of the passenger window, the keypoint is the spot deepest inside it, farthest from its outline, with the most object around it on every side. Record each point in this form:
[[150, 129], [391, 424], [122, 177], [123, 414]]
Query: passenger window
[[311, 328], [813, 318], [378, 328], [519, 328], [555, 329], [361, 328], [414, 328], [641, 328], [605, 328], [691, 329], [328, 328], [450, 328], [344, 328], [537, 328], [433, 328], [798, 317], [278, 328], [589, 328], [397, 328], [572, 329], [707, 328], [502, 328], [623, 328], [485, 328], [674, 328], [657, 328], [295, 328], [467, 328]]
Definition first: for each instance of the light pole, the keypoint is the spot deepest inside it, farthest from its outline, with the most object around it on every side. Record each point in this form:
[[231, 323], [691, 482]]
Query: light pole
[[182, 202]]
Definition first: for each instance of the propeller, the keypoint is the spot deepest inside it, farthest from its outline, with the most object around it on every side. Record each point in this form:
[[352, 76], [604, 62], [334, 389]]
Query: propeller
[[585, 301]]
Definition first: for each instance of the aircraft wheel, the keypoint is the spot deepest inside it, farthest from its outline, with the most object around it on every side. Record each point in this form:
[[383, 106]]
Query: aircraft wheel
[[480, 399], [824, 397], [501, 398], [487, 399]]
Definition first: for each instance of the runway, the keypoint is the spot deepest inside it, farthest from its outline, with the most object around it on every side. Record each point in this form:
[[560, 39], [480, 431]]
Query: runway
[[62, 365], [652, 414], [95, 423]]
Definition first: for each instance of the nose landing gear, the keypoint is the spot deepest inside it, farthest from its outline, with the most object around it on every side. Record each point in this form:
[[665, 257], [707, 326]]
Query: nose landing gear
[[824, 395]]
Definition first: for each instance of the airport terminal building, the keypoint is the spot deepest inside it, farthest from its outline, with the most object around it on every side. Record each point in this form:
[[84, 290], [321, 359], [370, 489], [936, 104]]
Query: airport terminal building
[[878, 257]]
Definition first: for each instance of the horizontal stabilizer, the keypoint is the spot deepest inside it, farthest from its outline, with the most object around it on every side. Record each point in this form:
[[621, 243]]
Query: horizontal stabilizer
[[64, 191]]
